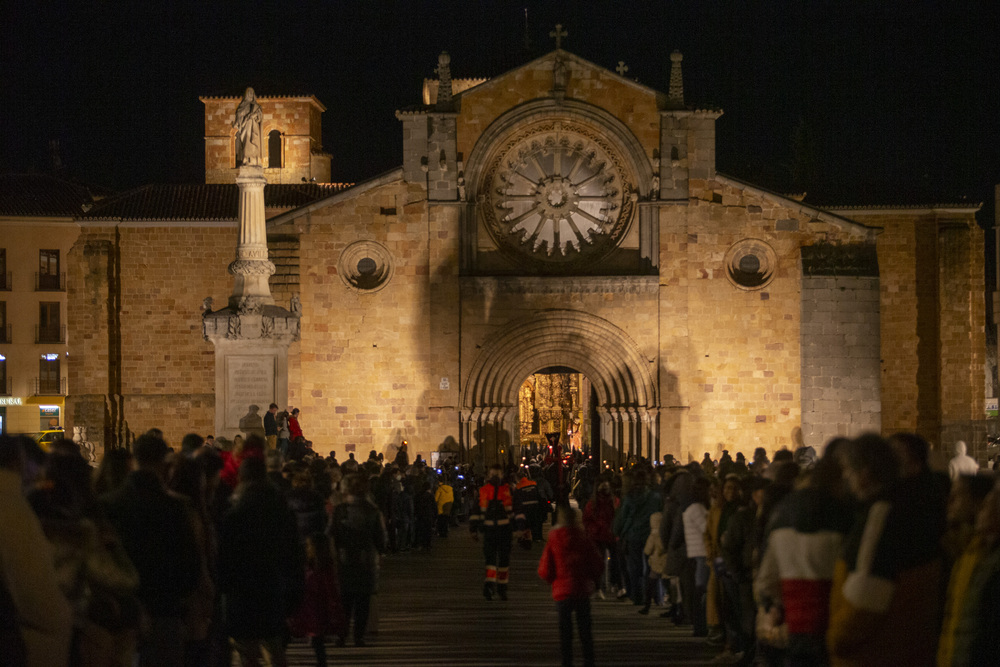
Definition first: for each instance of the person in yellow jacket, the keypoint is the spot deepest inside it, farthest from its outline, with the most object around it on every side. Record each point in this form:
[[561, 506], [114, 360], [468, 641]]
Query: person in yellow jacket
[[445, 499]]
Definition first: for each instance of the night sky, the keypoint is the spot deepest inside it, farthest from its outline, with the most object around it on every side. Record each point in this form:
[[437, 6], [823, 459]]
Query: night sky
[[853, 102]]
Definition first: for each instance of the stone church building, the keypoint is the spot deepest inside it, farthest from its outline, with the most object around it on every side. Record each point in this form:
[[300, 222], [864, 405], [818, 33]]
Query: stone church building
[[556, 252]]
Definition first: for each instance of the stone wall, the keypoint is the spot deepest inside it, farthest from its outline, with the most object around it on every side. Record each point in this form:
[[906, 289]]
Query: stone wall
[[137, 354], [932, 317], [730, 364], [840, 358], [369, 370]]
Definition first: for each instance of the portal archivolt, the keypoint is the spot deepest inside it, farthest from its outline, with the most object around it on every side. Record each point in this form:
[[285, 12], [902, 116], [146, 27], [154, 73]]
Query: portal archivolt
[[623, 380]]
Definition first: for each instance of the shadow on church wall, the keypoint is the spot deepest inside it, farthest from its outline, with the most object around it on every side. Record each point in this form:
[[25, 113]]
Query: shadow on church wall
[[252, 423], [673, 413]]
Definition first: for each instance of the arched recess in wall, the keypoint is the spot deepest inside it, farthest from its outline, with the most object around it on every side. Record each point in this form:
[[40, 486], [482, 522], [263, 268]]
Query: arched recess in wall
[[274, 150], [621, 376]]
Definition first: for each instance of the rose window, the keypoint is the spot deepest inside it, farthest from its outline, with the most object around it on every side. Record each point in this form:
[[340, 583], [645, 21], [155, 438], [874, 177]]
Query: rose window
[[558, 194]]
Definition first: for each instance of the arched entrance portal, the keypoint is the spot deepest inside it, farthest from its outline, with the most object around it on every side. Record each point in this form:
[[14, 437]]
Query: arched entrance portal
[[626, 398]]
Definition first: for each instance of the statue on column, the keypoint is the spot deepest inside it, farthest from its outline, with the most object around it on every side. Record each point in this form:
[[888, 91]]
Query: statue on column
[[249, 118]]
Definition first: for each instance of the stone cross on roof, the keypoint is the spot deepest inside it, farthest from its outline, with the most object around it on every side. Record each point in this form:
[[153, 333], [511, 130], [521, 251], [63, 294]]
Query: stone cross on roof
[[622, 68], [558, 34]]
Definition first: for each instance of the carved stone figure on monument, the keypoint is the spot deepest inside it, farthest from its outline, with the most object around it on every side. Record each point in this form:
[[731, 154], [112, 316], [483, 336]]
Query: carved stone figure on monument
[[295, 305], [249, 117], [206, 305], [251, 304]]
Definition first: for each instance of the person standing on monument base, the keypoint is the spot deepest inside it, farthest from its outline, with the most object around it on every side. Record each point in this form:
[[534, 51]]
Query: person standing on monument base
[[294, 430], [271, 426], [492, 517]]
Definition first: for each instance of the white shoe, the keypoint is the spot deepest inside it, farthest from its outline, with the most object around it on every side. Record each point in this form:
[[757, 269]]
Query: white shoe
[[601, 595]]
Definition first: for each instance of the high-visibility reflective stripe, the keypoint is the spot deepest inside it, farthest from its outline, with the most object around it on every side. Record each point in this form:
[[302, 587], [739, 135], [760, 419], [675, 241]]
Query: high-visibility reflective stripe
[[496, 522]]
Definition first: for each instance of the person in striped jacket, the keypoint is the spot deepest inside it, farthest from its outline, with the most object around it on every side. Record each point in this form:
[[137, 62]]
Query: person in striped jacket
[[804, 539]]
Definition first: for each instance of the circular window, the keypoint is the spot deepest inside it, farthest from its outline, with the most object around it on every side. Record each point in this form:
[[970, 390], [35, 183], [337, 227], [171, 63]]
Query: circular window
[[750, 264], [557, 194], [365, 266]]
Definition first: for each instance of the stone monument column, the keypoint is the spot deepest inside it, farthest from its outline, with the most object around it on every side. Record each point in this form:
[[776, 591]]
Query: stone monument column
[[251, 268], [251, 334]]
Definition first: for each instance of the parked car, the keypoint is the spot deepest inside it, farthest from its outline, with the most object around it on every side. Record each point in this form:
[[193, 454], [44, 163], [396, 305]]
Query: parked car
[[47, 437]]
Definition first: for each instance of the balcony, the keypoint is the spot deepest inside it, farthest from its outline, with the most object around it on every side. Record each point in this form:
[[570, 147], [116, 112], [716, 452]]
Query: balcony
[[50, 386], [50, 282], [5, 282], [5, 334], [5, 386], [50, 334]]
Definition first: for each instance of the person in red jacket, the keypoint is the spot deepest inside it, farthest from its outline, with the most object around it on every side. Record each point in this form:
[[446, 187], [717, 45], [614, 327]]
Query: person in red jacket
[[294, 430], [572, 565]]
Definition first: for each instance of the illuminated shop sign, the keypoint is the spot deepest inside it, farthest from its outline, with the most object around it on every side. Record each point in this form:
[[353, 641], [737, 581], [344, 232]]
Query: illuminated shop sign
[[11, 400]]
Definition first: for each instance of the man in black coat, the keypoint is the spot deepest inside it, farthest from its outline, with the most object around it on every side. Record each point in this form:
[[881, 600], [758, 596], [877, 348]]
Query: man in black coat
[[271, 426], [360, 538], [261, 565], [157, 534]]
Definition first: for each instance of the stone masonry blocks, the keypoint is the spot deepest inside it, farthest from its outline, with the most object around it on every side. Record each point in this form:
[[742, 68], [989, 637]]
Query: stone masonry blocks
[[840, 358]]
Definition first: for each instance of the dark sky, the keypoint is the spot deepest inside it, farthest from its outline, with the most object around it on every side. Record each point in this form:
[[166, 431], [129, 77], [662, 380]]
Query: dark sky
[[854, 102]]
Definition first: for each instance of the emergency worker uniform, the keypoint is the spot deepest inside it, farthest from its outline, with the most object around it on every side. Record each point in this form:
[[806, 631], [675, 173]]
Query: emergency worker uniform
[[493, 519]]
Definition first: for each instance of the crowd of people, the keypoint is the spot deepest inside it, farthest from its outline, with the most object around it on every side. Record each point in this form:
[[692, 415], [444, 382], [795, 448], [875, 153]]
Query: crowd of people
[[864, 556]]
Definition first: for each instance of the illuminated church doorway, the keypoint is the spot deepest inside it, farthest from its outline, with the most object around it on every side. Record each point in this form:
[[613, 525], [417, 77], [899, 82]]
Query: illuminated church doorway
[[557, 400]]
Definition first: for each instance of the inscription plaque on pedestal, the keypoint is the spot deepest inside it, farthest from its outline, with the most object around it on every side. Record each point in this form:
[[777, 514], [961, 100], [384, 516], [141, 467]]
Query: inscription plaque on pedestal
[[249, 381]]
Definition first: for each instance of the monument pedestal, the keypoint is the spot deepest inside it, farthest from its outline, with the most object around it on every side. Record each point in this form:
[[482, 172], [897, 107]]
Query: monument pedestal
[[251, 364]]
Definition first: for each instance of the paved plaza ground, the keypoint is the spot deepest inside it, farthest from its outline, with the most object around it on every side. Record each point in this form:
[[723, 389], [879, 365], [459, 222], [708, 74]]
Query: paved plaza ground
[[431, 612]]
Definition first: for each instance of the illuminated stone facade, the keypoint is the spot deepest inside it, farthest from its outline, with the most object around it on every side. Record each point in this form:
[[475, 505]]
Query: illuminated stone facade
[[703, 312]]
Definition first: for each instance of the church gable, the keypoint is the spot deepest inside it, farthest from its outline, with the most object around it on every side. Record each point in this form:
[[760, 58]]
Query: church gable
[[633, 104]]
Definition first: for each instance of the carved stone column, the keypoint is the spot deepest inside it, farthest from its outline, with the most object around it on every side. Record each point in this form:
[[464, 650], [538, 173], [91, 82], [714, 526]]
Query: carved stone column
[[252, 334], [251, 268]]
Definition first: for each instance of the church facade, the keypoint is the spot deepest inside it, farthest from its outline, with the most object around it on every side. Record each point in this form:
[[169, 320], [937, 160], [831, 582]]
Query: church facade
[[557, 242]]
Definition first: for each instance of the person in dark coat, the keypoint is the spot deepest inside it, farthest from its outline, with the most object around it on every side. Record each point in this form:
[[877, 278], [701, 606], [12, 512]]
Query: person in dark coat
[[306, 504], [631, 527], [155, 529], [271, 426], [261, 566], [424, 513], [360, 538]]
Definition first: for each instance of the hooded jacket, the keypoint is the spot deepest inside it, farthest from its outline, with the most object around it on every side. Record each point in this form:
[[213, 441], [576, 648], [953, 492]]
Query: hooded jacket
[[961, 463]]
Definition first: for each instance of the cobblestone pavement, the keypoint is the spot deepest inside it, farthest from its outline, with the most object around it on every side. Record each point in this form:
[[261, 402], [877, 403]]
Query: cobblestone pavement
[[431, 611]]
